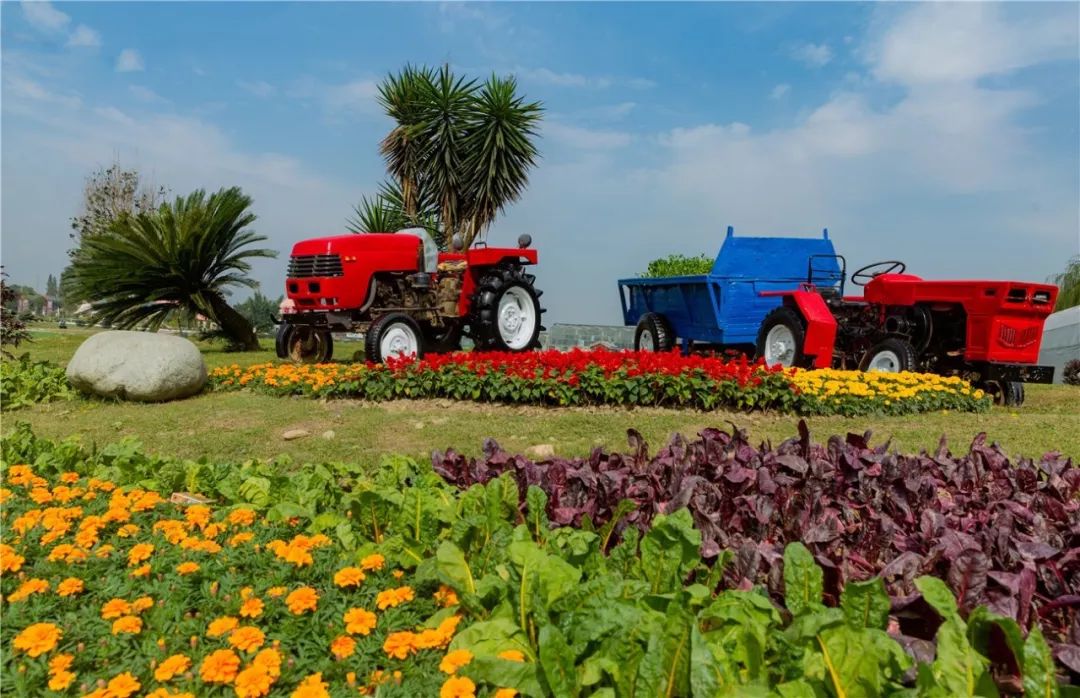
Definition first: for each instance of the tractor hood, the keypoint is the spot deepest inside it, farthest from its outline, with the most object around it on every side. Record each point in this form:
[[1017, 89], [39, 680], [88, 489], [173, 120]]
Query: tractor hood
[[374, 251]]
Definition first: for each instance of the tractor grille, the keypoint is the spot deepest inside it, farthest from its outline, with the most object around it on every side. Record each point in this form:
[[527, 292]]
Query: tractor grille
[[1017, 339], [301, 266]]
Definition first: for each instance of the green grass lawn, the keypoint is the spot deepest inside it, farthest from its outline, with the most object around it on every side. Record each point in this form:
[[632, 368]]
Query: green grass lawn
[[238, 426]]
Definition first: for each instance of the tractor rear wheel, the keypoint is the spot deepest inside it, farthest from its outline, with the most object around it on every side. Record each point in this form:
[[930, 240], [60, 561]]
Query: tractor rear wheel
[[306, 345], [1007, 393], [781, 338], [891, 355], [506, 311], [393, 335], [653, 334]]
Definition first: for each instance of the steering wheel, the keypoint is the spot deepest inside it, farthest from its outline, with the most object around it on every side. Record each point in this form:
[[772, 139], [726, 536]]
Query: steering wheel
[[863, 275]]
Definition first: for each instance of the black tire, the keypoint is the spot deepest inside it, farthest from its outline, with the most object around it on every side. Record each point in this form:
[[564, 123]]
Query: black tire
[[281, 341], [386, 324], [306, 345], [1007, 393], [892, 350], [484, 321], [442, 340], [783, 316], [653, 333]]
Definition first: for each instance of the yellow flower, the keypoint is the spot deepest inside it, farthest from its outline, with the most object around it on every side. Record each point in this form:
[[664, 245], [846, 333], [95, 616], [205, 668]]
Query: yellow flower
[[127, 624], [30, 586], [393, 597], [303, 599], [220, 666], [458, 687], [446, 597], [140, 553], [270, 661], [241, 517], [359, 621], [372, 563], [349, 577], [512, 655], [276, 592], [343, 646], [506, 693], [185, 568], [312, 687], [38, 639], [455, 660], [123, 685], [70, 587], [240, 538], [399, 645], [220, 626], [61, 662], [10, 561], [60, 680], [251, 608], [173, 666], [253, 682], [115, 608], [141, 604], [247, 638], [141, 571]]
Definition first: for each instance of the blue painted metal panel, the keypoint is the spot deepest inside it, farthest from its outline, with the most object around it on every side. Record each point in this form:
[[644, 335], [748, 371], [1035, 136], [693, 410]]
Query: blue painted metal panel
[[725, 306]]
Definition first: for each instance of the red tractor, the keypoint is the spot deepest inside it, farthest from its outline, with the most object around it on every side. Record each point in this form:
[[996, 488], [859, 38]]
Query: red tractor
[[406, 297], [987, 332]]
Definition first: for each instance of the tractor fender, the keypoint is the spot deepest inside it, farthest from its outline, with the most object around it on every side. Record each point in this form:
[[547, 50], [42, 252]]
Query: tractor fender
[[820, 325]]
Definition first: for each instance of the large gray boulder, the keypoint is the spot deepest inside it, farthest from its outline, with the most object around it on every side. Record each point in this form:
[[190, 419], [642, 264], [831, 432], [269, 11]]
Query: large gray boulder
[[141, 366]]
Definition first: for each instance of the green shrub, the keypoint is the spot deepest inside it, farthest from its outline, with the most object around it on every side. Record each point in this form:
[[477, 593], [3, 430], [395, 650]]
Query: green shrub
[[24, 382], [678, 265]]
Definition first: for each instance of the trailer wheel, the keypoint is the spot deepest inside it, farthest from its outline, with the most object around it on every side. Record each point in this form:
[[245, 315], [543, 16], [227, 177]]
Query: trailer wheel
[[781, 338], [1007, 393], [507, 310], [393, 335], [307, 345], [653, 333], [891, 355]]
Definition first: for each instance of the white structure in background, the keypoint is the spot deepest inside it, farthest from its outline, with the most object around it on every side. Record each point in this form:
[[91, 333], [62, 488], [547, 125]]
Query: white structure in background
[[1061, 340]]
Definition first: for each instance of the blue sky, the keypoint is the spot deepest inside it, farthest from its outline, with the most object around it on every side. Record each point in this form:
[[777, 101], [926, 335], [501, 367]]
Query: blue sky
[[946, 135]]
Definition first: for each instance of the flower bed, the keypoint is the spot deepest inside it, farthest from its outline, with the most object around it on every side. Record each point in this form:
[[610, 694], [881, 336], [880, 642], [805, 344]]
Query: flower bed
[[602, 377]]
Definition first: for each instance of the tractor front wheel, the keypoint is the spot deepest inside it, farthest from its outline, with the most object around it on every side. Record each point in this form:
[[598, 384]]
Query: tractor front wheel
[[781, 338], [393, 335], [653, 334], [507, 311], [307, 345], [1007, 393], [891, 355]]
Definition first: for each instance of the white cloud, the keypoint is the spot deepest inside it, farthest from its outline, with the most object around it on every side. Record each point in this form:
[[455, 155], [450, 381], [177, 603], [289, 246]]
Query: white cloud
[[44, 17], [129, 61], [354, 96], [547, 76], [84, 36], [145, 94], [580, 138], [780, 90], [813, 55], [259, 88], [24, 87]]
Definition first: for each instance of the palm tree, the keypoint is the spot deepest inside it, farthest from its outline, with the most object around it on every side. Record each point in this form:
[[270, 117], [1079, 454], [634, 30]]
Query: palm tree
[[181, 257], [1068, 283], [458, 154]]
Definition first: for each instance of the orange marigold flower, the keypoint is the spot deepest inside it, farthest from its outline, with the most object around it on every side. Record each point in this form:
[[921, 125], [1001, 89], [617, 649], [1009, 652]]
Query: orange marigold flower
[[221, 666], [446, 597], [166, 693], [312, 687], [359, 621], [222, 625], [241, 517], [173, 666], [104, 551], [40, 495], [141, 571], [247, 638], [253, 682], [123, 685], [398, 574], [399, 645], [506, 693], [276, 592], [38, 639], [60, 680], [270, 661], [251, 608], [10, 561], [372, 563], [187, 568], [512, 655], [30, 586], [70, 586], [140, 552], [349, 577], [127, 624], [114, 608], [197, 515], [69, 477], [455, 660], [458, 687], [240, 538], [303, 599], [61, 662], [393, 597], [342, 646], [127, 530], [142, 603]]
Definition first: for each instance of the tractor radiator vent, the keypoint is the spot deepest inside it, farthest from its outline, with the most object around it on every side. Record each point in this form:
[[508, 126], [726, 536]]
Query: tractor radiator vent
[[301, 266]]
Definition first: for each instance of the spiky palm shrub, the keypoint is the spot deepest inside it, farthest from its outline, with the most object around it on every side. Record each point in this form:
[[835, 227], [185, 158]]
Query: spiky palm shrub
[[1068, 283], [182, 257]]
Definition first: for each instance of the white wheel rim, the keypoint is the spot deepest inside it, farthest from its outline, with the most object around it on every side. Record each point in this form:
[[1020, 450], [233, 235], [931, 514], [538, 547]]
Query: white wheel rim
[[886, 361], [646, 342], [780, 346], [398, 340], [517, 318]]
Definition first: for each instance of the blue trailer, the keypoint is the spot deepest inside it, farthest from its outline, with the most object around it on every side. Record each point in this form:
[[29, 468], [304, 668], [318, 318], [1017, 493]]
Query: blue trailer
[[726, 308]]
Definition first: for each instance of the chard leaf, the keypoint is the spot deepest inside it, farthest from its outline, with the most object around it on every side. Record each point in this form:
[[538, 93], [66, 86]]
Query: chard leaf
[[866, 604], [803, 580], [669, 551], [665, 669], [1039, 678]]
